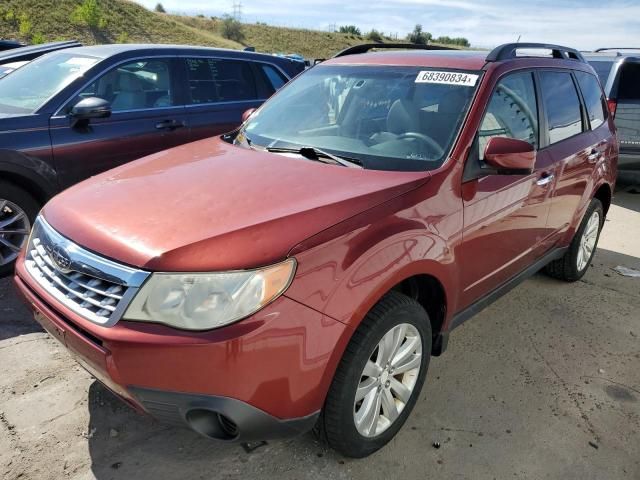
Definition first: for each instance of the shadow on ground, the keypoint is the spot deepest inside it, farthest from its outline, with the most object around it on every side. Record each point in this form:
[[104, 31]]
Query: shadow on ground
[[15, 317], [126, 444]]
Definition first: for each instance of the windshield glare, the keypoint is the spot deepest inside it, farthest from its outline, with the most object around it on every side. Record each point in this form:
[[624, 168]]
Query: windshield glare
[[381, 116], [29, 87]]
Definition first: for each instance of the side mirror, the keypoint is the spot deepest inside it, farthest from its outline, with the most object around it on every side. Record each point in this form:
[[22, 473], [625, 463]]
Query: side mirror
[[90, 107], [510, 156], [247, 114]]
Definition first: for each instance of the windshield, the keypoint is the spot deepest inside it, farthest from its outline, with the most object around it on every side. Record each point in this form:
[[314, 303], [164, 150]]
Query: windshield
[[388, 118], [29, 87]]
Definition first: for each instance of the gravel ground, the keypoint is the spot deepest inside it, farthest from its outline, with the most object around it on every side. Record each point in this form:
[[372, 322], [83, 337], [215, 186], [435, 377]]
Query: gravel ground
[[545, 383]]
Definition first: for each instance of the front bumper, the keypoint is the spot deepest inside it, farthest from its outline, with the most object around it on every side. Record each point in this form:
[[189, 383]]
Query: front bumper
[[268, 374]]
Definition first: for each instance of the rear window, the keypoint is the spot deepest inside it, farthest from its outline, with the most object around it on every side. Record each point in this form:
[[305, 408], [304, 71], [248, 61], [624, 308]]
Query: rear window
[[593, 98], [562, 105], [602, 68], [629, 88], [214, 80], [276, 79]]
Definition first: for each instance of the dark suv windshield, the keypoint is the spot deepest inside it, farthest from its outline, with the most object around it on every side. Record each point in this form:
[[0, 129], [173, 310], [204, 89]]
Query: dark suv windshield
[[388, 118], [28, 88]]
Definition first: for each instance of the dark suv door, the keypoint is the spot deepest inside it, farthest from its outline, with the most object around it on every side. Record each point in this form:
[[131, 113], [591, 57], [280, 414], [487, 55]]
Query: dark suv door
[[148, 115], [220, 90]]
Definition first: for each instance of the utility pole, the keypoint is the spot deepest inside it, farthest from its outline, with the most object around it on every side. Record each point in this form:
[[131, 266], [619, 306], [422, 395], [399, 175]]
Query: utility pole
[[237, 10]]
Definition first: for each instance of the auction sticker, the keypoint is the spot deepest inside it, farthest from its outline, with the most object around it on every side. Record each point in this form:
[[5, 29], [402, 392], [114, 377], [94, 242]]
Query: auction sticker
[[447, 78]]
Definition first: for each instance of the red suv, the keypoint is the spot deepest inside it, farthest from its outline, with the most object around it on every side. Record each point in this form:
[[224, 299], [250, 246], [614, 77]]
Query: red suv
[[302, 270]]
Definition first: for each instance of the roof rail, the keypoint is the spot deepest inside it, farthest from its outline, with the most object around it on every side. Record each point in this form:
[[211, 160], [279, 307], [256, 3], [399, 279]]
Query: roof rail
[[29, 52], [508, 51], [615, 49], [365, 47]]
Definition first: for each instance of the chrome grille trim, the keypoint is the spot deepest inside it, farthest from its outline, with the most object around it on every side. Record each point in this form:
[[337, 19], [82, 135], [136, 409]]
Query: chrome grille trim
[[94, 287]]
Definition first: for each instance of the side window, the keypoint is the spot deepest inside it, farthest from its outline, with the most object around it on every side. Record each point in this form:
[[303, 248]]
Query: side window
[[276, 79], [215, 80], [562, 105], [137, 85], [593, 98], [512, 111]]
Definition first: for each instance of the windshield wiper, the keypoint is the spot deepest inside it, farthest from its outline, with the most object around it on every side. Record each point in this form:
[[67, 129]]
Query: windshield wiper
[[314, 153]]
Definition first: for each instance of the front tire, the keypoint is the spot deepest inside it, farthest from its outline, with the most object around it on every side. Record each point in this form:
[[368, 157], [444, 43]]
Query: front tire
[[18, 210], [575, 262], [379, 377]]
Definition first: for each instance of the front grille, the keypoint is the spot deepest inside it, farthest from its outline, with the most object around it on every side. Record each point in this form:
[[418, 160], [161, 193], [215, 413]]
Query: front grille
[[93, 287]]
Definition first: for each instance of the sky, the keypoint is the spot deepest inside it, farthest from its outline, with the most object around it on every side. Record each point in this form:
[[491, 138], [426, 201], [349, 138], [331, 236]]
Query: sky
[[586, 24]]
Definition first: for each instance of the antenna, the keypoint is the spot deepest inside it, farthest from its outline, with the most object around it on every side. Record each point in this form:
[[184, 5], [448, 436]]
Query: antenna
[[518, 40]]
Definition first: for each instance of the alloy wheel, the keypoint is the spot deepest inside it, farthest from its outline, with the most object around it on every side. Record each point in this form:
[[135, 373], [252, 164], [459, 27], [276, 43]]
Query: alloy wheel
[[14, 231], [388, 380], [588, 241]]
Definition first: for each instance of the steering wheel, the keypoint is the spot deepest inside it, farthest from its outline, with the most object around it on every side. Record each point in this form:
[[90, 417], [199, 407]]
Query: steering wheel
[[425, 139]]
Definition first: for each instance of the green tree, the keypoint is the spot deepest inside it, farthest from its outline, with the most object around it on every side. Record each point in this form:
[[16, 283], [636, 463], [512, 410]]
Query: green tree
[[418, 36], [231, 29], [159, 8], [350, 29]]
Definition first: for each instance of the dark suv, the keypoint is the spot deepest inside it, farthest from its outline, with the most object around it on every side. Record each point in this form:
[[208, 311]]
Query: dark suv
[[303, 269], [619, 72], [79, 111]]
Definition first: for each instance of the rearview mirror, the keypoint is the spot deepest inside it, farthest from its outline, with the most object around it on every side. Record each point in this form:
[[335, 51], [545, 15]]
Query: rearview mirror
[[91, 107], [247, 114], [510, 156]]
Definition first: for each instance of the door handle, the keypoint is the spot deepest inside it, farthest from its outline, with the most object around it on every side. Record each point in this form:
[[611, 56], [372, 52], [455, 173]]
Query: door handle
[[545, 180], [594, 156], [169, 124]]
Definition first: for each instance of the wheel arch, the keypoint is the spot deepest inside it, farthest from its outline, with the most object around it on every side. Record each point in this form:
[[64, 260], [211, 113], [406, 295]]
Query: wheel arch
[[29, 173]]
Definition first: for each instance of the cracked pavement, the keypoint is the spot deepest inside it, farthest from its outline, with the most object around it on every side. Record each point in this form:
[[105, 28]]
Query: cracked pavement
[[544, 383]]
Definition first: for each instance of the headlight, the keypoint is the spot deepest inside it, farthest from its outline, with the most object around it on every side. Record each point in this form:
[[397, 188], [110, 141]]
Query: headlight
[[202, 301]]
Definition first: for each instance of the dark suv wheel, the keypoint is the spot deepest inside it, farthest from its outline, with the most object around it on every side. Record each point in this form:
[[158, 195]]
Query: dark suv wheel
[[18, 209]]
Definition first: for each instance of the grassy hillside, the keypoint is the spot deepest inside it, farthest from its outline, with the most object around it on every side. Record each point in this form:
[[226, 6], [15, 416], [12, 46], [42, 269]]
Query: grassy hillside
[[117, 21], [266, 38], [123, 21]]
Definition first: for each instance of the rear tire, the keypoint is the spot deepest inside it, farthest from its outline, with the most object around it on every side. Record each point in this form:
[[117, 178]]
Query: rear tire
[[356, 428], [18, 210], [575, 262]]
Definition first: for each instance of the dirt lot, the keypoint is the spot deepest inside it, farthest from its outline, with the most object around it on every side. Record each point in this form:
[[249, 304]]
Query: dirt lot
[[545, 383]]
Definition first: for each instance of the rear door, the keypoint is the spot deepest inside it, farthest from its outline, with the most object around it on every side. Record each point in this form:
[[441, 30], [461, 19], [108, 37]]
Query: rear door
[[627, 116], [220, 90], [505, 216], [148, 115], [570, 146]]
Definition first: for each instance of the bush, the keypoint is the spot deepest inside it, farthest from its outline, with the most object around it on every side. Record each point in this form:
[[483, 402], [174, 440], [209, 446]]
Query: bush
[[24, 25], [88, 13], [374, 35], [418, 36], [350, 29], [459, 41], [123, 37], [231, 29], [37, 38], [159, 8]]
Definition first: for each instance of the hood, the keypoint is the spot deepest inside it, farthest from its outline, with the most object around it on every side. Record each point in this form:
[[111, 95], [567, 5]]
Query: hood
[[211, 206]]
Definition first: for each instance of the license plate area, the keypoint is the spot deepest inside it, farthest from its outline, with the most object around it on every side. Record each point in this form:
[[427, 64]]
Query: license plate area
[[52, 329]]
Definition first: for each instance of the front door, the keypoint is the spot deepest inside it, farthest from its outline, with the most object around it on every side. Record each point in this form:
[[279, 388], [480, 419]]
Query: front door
[[147, 116], [505, 216]]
